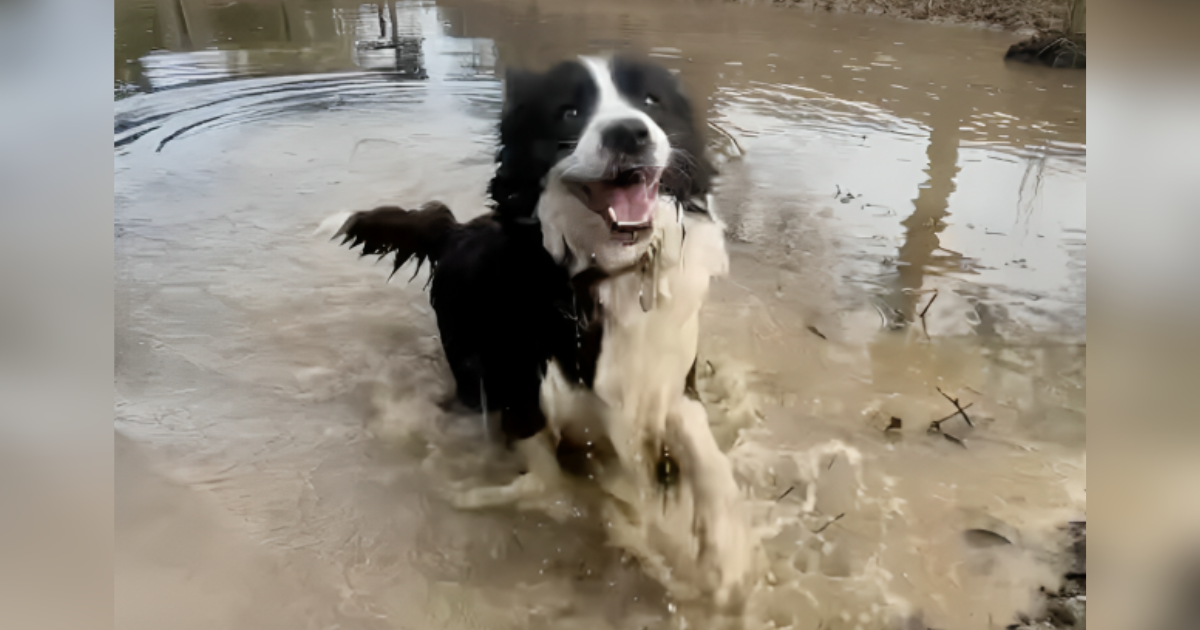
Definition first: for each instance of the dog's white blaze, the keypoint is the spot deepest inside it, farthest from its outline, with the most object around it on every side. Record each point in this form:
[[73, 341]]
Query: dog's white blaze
[[610, 98], [589, 155]]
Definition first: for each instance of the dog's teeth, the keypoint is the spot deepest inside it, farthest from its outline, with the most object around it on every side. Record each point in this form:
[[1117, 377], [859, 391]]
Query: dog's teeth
[[612, 214]]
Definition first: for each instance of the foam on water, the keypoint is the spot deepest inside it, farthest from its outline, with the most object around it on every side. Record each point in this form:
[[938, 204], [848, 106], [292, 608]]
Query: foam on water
[[802, 553]]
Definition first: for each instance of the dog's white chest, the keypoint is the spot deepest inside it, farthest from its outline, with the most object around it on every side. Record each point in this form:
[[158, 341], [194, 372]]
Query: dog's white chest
[[651, 319]]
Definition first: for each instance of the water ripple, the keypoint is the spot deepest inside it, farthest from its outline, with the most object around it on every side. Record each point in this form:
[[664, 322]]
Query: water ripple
[[172, 114]]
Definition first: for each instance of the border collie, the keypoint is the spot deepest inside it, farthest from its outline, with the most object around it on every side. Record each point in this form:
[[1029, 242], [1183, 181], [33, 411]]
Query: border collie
[[572, 310]]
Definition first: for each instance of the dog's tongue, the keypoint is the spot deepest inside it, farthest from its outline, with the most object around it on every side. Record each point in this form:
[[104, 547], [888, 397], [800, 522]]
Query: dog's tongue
[[633, 204]]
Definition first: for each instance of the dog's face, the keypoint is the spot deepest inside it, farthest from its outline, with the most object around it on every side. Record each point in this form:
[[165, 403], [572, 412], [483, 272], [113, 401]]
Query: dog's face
[[601, 150]]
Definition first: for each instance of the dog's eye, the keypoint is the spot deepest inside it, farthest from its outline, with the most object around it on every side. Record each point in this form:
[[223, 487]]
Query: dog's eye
[[666, 471], [651, 100], [568, 113]]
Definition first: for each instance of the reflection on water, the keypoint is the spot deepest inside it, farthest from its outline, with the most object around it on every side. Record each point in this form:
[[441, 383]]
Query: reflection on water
[[867, 165]]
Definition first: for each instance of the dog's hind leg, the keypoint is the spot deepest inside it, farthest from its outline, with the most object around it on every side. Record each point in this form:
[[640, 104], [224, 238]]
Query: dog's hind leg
[[523, 487], [541, 479]]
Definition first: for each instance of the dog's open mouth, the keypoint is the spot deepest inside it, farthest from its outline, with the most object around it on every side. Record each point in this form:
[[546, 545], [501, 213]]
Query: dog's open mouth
[[626, 202]]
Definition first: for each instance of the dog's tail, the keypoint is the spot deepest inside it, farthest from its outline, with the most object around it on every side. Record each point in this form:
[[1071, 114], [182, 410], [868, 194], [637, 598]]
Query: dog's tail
[[421, 234]]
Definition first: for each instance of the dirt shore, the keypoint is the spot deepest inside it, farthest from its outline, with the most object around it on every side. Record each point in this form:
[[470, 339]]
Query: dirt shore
[[1025, 16]]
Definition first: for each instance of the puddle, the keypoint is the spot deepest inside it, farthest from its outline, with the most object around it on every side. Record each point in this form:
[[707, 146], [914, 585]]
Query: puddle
[[288, 397]]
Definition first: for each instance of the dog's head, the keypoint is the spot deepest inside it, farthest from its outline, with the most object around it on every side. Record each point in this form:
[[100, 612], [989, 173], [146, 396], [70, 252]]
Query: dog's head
[[600, 150]]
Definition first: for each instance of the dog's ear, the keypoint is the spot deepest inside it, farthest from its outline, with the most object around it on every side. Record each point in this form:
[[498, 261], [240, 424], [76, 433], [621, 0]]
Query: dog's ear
[[697, 170], [521, 159], [690, 175], [517, 85]]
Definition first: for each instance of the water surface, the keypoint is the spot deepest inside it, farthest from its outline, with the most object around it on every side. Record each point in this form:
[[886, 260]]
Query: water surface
[[280, 442]]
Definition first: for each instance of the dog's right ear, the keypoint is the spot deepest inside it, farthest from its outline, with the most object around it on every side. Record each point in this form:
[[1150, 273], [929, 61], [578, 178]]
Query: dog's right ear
[[517, 84]]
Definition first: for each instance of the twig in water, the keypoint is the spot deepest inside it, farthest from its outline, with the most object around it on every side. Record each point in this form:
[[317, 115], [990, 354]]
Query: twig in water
[[926, 310], [895, 423], [936, 425], [785, 493], [956, 440], [831, 460], [831, 522], [813, 330], [957, 406], [929, 303]]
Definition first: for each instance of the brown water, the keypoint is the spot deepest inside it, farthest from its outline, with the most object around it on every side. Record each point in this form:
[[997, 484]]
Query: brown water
[[280, 449]]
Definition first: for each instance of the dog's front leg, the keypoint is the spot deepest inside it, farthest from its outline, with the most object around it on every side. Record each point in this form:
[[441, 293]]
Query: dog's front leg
[[729, 552]]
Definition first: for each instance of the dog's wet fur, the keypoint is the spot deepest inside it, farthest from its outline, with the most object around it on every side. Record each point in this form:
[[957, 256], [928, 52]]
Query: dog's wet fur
[[571, 310]]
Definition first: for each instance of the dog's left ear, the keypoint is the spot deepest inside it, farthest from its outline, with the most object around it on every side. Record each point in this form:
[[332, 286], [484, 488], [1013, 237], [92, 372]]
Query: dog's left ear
[[699, 170], [700, 173], [690, 175]]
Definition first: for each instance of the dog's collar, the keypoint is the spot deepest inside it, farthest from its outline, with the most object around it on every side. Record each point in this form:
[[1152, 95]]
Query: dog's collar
[[647, 265], [568, 259]]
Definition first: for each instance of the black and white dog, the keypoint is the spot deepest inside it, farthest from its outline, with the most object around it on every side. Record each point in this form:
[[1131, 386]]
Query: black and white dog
[[572, 310]]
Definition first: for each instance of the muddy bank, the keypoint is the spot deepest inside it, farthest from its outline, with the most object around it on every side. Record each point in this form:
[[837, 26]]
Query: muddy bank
[[1053, 33], [1017, 15]]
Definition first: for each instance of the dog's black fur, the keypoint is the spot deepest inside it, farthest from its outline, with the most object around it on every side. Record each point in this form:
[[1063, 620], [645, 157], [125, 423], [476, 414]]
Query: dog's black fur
[[504, 306]]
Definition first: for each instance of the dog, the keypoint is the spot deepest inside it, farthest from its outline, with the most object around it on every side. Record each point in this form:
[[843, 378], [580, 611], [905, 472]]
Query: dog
[[572, 309]]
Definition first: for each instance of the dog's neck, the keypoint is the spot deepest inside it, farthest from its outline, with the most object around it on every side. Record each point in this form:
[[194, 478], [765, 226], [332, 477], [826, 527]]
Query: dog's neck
[[649, 246]]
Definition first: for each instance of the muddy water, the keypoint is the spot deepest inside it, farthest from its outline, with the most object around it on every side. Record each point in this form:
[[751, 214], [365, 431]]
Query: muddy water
[[280, 447]]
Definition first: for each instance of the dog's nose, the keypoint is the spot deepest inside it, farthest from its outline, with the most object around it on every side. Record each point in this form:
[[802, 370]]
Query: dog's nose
[[626, 136]]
